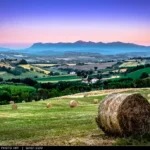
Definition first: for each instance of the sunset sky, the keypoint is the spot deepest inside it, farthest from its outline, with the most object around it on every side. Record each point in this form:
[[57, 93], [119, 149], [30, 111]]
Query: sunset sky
[[23, 22]]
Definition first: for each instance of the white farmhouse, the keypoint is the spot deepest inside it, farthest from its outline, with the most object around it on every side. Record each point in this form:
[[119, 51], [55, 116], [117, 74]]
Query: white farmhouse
[[73, 73], [94, 80]]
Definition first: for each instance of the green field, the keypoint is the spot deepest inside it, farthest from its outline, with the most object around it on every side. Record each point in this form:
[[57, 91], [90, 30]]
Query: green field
[[35, 125], [29, 74], [16, 88], [137, 74], [59, 78]]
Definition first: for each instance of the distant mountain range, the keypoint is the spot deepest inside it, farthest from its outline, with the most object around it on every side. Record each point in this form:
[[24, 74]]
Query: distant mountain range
[[83, 43], [82, 46]]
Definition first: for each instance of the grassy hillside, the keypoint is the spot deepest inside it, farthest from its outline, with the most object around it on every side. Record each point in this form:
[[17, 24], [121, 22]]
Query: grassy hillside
[[34, 124], [132, 63], [59, 78], [37, 69], [29, 74], [137, 74]]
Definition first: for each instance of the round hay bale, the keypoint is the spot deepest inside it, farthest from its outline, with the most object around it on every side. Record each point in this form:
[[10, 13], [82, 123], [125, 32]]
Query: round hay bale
[[124, 114], [148, 95], [41, 99], [23, 101], [33, 100], [85, 95], [11, 102], [14, 107], [48, 105], [73, 103], [95, 101]]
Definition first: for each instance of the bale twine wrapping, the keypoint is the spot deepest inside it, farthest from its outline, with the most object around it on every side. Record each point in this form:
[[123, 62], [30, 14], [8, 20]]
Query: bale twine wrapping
[[48, 105], [73, 103], [124, 114], [11, 102], [14, 107], [95, 101]]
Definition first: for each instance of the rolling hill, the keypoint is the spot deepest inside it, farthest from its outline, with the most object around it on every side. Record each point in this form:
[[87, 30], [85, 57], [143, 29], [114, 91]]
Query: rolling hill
[[138, 73]]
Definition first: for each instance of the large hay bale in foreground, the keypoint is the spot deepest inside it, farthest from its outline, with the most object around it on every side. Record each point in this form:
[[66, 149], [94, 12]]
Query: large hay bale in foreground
[[48, 105], [11, 102], [124, 114], [14, 107], [73, 103], [95, 101]]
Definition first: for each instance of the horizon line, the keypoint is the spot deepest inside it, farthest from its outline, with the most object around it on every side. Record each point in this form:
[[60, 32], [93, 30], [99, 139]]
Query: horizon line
[[20, 44]]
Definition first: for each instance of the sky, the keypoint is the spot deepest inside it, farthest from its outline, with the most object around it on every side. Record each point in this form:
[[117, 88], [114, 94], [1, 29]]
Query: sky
[[24, 22]]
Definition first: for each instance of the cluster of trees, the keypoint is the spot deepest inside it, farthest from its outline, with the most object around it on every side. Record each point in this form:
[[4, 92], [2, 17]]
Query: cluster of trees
[[23, 62], [54, 73], [84, 73], [42, 91], [27, 81], [121, 83], [142, 83]]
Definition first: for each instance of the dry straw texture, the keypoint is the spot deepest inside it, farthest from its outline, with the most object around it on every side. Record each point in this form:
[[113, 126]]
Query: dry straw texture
[[14, 107], [124, 114], [73, 103]]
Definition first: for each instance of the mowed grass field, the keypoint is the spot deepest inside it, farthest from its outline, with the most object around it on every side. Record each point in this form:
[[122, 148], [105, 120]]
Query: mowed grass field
[[35, 125], [132, 63], [59, 78], [15, 88], [28, 66]]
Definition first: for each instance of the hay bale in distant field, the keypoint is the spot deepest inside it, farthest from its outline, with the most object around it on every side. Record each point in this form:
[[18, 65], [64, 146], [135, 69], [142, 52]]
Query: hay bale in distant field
[[11, 102], [48, 105], [41, 99], [23, 101], [73, 103], [14, 107], [124, 114], [85, 95], [95, 101], [33, 100]]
